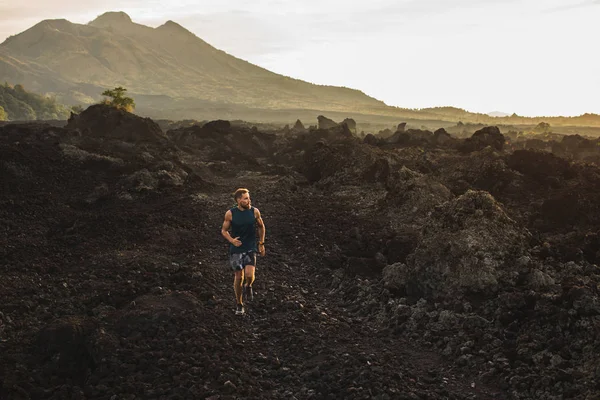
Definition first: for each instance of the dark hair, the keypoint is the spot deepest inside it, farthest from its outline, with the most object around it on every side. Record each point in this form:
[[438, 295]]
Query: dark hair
[[239, 193]]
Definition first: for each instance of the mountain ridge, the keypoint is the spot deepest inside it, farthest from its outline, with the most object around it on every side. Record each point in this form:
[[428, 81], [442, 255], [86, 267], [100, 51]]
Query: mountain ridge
[[112, 50], [172, 73]]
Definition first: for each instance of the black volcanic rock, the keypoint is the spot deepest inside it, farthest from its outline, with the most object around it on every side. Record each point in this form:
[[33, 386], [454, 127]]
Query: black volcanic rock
[[351, 124], [441, 137], [541, 165], [105, 121], [371, 139], [111, 268], [420, 135], [385, 133], [488, 136], [440, 131], [469, 245], [411, 136], [218, 125], [325, 123], [412, 196], [299, 126], [219, 140]]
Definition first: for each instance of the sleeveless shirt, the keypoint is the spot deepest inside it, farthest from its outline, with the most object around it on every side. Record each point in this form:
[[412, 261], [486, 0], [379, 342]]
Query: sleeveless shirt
[[243, 225]]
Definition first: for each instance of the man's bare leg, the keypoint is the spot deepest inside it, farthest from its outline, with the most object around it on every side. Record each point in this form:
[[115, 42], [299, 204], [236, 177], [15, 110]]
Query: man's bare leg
[[237, 286], [248, 281]]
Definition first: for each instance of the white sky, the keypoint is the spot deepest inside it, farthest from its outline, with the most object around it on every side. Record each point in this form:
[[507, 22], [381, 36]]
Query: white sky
[[532, 57]]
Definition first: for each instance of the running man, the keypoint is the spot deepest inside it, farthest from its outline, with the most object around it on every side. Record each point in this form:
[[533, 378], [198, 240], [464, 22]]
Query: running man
[[243, 220]]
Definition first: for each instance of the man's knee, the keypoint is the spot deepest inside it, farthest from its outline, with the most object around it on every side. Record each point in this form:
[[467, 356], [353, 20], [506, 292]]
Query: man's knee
[[249, 273]]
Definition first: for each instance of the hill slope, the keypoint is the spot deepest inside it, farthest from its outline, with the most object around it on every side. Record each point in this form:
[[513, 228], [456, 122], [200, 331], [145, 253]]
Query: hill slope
[[173, 74], [76, 61]]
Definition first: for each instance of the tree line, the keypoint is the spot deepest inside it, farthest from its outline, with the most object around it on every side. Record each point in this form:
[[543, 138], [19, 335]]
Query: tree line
[[16, 103]]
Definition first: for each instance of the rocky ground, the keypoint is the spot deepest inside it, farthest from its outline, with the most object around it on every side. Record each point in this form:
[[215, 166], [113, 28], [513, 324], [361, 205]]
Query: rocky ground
[[415, 267]]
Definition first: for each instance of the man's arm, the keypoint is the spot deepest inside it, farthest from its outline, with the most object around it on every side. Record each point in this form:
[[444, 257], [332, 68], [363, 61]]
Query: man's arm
[[261, 231], [225, 230]]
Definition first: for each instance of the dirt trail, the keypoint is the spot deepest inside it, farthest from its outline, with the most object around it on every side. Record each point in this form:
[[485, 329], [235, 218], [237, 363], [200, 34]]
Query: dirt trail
[[134, 301], [298, 340]]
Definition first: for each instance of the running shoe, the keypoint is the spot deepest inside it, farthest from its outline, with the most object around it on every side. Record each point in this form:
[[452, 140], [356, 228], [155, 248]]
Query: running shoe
[[239, 310]]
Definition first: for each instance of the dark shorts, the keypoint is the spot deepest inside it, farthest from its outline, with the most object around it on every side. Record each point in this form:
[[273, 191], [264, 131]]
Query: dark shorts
[[238, 261]]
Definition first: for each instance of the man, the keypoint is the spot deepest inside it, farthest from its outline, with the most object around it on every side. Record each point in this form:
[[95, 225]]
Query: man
[[243, 220]]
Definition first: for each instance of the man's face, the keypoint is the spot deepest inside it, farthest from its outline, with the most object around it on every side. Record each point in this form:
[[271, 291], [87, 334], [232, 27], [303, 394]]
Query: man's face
[[244, 201]]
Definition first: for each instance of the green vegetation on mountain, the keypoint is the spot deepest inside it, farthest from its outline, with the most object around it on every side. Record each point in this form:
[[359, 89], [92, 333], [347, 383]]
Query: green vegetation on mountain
[[16, 103], [118, 99]]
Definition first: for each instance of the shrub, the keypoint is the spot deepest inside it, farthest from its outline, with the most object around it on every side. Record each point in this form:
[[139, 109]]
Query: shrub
[[118, 99]]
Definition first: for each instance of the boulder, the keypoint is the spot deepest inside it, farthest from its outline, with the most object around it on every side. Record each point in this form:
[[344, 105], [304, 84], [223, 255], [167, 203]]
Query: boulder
[[371, 139], [539, 280], [325, 123], [411, 137], [441, 137], [395, 277], [298, 126], [488, 136], [378, 171], [540, 165], [385, 133], [351, 124], [412, 196], [218, 125], [104, 121], [468, 245]]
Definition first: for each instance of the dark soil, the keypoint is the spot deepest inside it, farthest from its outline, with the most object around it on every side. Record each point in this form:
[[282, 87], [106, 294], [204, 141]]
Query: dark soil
[[114, 282]]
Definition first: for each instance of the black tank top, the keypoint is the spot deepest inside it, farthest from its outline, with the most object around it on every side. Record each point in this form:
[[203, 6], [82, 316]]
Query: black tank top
[[243, 225]]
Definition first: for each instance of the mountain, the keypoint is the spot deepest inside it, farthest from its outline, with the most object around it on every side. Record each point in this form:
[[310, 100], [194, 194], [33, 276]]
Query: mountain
[[158, 66], [498, 114], [171, 73]]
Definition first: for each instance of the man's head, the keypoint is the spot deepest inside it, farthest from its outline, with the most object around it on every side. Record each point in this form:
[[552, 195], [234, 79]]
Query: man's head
[[242, 198]]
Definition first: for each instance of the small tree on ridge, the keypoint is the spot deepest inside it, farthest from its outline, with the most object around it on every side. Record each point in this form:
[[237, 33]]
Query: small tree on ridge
[[118, 99]]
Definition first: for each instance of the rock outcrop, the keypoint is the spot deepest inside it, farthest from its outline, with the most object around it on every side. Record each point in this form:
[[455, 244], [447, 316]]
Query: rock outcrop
[[104, 121], [488, 136], [325, 123], [469, 245], [351, 124]]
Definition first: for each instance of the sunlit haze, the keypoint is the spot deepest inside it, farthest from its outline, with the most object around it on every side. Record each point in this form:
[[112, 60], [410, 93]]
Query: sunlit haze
[[530, 57]]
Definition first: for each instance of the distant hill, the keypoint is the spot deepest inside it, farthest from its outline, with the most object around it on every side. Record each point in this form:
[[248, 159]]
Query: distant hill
[[77, 62], [498, 114], [173, 74], [16, 103]]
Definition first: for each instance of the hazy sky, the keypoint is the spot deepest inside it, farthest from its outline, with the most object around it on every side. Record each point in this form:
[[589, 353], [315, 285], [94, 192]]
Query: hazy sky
[[532, 57]]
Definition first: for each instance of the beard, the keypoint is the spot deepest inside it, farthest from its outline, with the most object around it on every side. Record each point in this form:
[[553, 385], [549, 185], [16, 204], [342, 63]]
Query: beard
[[245, 206]]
